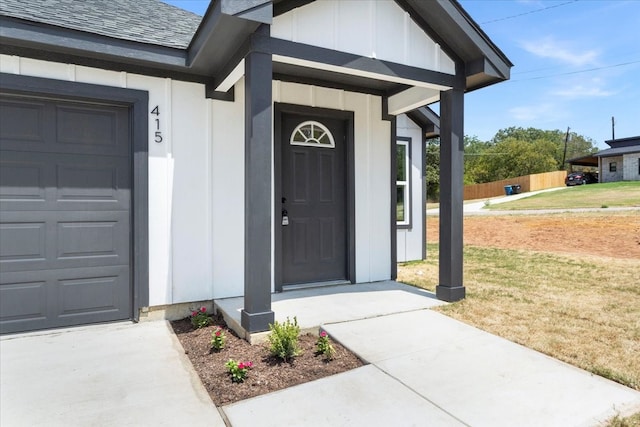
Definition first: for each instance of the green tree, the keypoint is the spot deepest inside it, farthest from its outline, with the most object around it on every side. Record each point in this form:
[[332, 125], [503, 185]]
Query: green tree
[[433, 169]]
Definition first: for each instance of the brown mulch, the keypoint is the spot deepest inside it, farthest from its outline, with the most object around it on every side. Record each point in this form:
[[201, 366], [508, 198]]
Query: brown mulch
[[268, 373]]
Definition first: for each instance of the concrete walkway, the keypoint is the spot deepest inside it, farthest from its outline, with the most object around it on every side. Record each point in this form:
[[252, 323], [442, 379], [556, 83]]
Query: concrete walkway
[[425, 369]]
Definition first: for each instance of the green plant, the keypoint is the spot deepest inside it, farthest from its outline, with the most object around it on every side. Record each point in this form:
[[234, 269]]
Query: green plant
[[238, 370], [218, 339], [283, 339], [323, 346], [604, 206], [200, 318]]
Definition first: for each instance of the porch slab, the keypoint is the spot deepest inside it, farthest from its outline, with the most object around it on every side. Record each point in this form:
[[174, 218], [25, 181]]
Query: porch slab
[[334, 304]]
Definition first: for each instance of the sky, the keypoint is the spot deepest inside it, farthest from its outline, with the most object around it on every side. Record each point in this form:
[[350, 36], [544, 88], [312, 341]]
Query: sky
[[576, 64]]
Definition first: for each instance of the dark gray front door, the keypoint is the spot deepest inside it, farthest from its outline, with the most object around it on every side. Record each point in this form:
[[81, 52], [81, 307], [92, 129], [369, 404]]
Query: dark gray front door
[[314, 243], [64, 213]]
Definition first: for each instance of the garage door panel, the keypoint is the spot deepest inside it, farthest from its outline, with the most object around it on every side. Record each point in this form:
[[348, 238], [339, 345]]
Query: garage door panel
[[48, 182], [22, 242], [37, 240], [23, 302], [85, 180], [64, 127], [22, 122], [21, 178], [67, 297]]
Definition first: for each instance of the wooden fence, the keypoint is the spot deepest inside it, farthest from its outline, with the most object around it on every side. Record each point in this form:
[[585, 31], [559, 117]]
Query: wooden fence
[[539, 181]]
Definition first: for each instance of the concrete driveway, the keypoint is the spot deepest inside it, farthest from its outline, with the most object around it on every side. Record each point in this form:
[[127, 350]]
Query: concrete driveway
[[119, 374]]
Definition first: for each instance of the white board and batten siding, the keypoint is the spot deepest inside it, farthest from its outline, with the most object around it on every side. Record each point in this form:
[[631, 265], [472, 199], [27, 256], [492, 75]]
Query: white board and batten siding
[[196, 178], [409, 240], [370, 28]]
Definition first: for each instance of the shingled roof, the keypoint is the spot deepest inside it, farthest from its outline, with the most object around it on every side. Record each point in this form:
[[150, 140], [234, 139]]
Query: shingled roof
[[144, 21]]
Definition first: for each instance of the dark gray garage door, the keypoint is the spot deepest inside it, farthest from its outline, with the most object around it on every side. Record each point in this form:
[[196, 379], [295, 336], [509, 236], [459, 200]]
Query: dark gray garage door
[[64, 213]]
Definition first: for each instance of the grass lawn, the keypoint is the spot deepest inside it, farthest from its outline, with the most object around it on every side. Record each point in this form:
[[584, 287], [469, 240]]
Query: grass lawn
[[613, 194], [579, 309]]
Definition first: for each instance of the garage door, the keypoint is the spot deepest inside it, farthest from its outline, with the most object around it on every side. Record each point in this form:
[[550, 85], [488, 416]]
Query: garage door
[[65, 190]]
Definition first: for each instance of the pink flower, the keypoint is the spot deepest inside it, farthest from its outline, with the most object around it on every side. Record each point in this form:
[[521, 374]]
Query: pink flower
[[249, 364], [240, 365], [218, 332], [195, 313], [203, 309], [323, 334]]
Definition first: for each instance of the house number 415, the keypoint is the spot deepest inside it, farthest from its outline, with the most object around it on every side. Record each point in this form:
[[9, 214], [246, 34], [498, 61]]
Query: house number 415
[[158, 135]]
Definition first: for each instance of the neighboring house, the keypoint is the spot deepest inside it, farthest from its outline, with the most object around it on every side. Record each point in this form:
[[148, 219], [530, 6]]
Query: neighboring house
[[621, 162], [151, 158]]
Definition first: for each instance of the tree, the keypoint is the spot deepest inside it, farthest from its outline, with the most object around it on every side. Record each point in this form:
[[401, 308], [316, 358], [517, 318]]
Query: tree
[[433, 169]]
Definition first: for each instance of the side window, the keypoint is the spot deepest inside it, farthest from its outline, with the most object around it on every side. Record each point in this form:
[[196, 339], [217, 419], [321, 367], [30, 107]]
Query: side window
[[403, 181], [613, 166]]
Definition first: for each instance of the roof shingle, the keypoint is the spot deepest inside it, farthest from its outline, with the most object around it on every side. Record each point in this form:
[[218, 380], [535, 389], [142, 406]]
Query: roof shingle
[[145, 21]]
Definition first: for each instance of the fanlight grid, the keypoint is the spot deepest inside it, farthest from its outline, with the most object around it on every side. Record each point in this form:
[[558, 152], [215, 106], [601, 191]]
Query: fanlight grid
[[312, 134]]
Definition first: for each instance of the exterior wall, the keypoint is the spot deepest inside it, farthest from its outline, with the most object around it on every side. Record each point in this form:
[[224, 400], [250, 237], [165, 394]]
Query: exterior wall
[[631, 167], [196, 178], [410, 240], [370, 28], [605, 175]]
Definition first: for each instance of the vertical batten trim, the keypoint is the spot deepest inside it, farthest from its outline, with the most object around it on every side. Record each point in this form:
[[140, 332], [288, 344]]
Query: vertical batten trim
[[407, 38], [209, 181], [169, 173], [123, 79]]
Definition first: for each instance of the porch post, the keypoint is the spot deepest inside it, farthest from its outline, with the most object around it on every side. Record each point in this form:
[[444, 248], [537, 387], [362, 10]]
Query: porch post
[[257, 313], [450, 287]]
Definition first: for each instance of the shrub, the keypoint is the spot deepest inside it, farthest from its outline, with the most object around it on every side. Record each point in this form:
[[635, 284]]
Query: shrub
[[323, 346], [283, 339], [200, 318], [218, 339]]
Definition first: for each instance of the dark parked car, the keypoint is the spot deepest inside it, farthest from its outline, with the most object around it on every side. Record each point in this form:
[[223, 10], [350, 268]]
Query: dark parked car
[[580, 178]]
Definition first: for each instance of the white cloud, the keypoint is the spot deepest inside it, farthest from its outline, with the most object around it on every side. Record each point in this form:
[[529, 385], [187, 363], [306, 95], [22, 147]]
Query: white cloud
[[539, 113], [584, 88], [553, 49], [580, 91]]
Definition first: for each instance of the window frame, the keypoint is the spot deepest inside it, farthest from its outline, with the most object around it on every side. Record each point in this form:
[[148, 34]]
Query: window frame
[[406, 184], [613, 166]]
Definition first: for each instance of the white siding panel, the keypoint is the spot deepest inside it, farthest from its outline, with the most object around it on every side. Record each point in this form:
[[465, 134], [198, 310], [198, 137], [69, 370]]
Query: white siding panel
[[160, 189], [390, 36], [9, 64], [370, 28], [314, 24], [96, 76], [228, 195], [49, 70], [190, 214], [354, 35], [294, 93], [379, 211], [327, 98]]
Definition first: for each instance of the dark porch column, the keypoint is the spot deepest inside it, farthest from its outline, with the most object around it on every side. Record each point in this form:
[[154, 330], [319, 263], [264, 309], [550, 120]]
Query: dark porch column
[[450, 287], [257, 313]]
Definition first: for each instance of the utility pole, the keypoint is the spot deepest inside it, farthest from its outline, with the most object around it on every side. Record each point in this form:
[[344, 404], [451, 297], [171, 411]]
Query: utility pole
[[566, 139], [613, 128]]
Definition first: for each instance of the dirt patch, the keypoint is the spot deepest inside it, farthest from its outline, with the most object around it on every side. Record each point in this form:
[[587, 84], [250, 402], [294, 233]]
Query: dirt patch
[[608, 235], [268, 373]]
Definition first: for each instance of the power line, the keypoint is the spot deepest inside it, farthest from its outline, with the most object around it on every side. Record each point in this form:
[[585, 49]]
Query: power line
[[577, 72], [528, 13]]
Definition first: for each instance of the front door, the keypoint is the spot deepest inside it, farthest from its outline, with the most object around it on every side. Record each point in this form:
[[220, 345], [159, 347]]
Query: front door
[[314, 191]]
